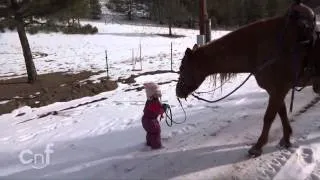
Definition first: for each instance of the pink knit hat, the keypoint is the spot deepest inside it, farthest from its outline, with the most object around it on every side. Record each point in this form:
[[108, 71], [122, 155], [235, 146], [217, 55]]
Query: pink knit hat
[[152, 90]]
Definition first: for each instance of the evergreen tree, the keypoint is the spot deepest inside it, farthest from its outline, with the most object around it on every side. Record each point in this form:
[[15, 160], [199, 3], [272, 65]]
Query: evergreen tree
[[272, 7], [95, 9], [256, 9], [71, 14], [222, 12]]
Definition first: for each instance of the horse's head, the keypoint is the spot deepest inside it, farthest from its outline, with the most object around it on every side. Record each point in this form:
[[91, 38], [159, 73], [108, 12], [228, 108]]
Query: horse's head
[[314, 58], [191, 73], [305, 19]]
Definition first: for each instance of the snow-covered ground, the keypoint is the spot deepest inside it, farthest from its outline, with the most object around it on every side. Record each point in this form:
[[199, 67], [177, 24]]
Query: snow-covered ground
[[105, 140]]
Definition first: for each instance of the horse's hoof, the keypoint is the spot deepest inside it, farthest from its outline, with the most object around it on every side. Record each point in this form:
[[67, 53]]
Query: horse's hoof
[[255, 152], [285, 144]]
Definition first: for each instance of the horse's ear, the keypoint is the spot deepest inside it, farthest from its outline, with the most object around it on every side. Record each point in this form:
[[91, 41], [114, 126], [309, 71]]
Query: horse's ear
[[188, 51], [195, 47]]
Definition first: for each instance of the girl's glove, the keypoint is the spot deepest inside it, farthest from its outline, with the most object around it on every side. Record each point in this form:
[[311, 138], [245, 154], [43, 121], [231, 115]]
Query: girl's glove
[[161, 117], [165, 106]]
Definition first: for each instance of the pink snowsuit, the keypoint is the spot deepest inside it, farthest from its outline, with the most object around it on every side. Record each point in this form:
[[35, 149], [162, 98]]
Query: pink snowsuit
[[153, 108]]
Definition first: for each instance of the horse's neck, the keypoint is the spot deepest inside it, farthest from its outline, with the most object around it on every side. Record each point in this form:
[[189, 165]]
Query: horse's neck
[[240, 51]]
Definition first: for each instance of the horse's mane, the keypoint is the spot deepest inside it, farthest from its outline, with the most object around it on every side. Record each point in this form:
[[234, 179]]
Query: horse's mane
[[242, 32]]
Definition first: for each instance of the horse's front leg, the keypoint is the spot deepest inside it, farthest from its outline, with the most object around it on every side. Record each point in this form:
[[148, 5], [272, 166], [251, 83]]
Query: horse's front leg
[[271, 112], [287, 130]]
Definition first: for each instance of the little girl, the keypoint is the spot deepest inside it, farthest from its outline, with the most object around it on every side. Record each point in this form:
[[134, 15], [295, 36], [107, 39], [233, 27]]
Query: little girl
[[152, 110]]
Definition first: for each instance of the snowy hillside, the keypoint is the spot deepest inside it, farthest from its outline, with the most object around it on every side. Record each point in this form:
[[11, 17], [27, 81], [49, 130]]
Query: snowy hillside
[[105, 140]]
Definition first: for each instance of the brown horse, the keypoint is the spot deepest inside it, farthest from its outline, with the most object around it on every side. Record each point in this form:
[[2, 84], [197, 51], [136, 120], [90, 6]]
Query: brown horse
[[273, 41]]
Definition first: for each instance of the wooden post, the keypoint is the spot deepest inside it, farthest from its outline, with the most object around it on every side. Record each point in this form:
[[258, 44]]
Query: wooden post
[[171, 58], [208, 30], [133, 61], [107, 64], [202, 16], [140, 47]]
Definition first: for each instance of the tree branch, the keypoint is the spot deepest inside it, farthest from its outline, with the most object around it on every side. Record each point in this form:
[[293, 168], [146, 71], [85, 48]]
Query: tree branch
[[24, 6], [5, 12]]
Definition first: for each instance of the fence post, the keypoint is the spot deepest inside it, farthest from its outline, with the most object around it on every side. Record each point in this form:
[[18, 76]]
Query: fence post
[[171, 57], [133, 60], [107, 64], [140, 56]]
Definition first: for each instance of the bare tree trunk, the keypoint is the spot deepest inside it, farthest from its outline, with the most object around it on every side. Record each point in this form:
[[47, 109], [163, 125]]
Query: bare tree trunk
[[130, 4], [170, 27], [31, 69], [159, 12], [129, 15]]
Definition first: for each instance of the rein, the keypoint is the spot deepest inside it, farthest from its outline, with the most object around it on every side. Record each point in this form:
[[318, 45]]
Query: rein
[[169, 120], [220, 99], [206, 92]]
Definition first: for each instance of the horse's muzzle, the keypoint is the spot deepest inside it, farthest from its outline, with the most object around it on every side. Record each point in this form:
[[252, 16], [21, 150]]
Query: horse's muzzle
[[181, 92]]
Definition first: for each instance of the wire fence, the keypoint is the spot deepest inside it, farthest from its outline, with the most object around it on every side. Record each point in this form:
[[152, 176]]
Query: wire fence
[[114, 58]]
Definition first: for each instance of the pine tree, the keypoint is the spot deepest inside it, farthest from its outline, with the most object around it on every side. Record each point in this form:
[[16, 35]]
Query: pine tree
[[272, 7], [222, 12], [256, 9], [95, 9]]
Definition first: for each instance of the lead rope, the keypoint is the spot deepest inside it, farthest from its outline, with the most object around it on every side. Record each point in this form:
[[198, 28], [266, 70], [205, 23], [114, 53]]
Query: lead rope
[[295, 77], [220, 99], [207, 92], [169, 120]]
